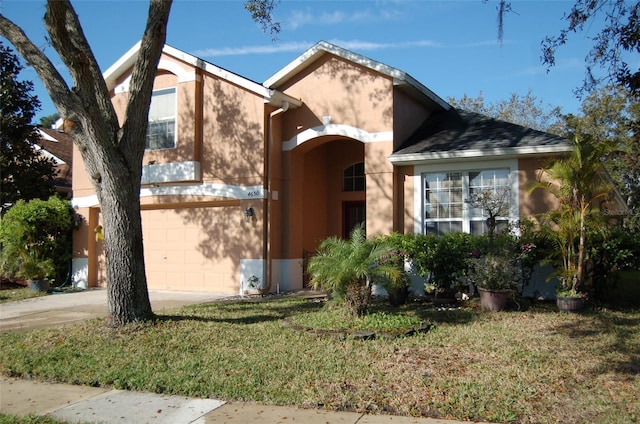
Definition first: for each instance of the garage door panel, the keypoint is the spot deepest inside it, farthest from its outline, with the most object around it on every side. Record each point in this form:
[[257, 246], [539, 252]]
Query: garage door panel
[[179, 253]]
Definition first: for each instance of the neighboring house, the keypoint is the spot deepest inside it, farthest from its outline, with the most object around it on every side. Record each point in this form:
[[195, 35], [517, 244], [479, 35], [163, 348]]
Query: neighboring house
[[241, 181], [58, 146]]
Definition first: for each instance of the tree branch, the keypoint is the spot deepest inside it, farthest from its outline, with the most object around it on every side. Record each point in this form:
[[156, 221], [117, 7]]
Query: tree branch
[[71, 44], [54, 83], [143, 77]]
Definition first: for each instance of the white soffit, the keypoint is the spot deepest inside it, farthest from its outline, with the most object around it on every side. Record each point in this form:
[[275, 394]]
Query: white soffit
[[420, 158]]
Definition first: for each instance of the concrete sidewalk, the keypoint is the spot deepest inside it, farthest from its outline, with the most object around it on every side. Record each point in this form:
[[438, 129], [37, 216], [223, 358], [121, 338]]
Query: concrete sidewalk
[[81, 404]]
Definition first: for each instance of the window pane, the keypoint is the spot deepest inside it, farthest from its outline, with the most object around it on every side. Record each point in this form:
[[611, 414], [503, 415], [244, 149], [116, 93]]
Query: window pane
[[161, 132], [353, 178], [497, 182], [161, 135], [443, 227], [445, 197]]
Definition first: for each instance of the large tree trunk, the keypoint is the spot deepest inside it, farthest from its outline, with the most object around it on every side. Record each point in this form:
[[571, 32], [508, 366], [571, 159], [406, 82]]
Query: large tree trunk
[[112, 154], [127, 285]]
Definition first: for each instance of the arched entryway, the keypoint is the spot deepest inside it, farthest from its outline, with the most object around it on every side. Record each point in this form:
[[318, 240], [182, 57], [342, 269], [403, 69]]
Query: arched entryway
[[328, 191]]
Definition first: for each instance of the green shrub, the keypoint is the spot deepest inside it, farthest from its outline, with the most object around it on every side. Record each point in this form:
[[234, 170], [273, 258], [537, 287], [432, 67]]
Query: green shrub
[[441, 260], [609, 251], [36, 239]]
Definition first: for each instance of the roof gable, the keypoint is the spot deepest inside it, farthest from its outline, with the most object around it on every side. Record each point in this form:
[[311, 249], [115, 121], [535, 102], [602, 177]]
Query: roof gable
[[401, 79], [457, 133], [122, 65]]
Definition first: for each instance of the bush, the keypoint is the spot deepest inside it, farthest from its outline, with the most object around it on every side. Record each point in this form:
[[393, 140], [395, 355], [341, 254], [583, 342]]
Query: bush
[[398, 288], [609, 251], [36, 239], [441, 260]]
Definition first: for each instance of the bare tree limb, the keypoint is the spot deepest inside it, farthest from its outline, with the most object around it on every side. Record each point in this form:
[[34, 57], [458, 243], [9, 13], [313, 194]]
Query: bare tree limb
[[51, 78], [143, 76]]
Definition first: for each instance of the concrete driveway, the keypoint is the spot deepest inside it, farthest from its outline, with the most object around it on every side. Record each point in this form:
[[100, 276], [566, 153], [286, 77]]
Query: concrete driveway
[[57, 309]]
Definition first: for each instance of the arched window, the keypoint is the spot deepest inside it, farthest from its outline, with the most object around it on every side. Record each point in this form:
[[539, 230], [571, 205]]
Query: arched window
[[353, 179]]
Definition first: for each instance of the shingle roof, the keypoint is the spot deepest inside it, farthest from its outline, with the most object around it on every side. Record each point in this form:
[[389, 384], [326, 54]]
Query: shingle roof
[[460, 133], [59, 145]]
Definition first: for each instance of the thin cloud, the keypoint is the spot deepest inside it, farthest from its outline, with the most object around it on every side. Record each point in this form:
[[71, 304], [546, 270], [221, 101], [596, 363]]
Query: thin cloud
[[298, 19], [247, 50], [369, 46], [300, 46]]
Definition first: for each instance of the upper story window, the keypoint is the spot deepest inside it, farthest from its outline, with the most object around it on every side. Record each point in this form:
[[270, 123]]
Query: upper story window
[[353, 178], [446, 195], [161, 132]]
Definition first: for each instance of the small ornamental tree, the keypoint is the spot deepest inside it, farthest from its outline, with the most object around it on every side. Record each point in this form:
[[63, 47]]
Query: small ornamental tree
[[350, 267], [580, 184]]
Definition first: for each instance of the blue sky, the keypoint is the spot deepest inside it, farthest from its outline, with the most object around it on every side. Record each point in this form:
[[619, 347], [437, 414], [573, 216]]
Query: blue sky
[[449, 46]]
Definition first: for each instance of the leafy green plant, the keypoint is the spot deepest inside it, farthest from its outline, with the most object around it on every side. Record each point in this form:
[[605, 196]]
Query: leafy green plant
[[610, 251], [350, 267], [441, 260], [494, 272], [579, 182], [36, 239], [397, 288]]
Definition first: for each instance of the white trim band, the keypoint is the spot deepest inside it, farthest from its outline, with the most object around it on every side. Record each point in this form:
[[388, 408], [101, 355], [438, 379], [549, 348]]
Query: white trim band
[[338, 130], [217, 190]]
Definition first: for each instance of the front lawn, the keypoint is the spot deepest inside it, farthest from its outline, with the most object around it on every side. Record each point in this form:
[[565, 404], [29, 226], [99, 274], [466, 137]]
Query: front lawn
[[526, 366], [11, 292]]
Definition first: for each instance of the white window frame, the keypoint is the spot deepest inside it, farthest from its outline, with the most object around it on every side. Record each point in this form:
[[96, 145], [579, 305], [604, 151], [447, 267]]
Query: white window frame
[[465, 167], [173, 118]]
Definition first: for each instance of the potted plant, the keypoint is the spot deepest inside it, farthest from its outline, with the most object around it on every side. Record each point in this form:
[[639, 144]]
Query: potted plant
[[36, 241], [254, 286], [580, 183], [36, 270], [568, 298], [496, 277]]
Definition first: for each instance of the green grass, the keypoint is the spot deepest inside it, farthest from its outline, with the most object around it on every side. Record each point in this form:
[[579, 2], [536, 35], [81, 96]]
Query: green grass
[[29, 419], [536, 365], [21, 293], [383, 319]]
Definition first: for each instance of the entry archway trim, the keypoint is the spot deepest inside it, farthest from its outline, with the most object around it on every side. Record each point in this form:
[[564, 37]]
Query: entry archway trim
[[336, 129]]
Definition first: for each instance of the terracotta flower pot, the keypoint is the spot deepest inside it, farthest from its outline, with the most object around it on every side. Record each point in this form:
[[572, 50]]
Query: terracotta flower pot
[[493, 300]]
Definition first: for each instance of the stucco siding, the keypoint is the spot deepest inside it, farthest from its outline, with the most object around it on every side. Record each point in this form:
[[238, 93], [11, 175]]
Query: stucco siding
[[233, 134], [538, 201], [347, 93]]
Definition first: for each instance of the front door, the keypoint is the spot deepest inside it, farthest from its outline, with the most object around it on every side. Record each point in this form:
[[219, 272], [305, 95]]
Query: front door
[[353, 213]]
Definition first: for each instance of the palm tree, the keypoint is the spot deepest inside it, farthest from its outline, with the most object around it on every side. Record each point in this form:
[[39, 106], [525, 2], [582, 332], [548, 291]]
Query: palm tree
[[348, 267], [580, 183]]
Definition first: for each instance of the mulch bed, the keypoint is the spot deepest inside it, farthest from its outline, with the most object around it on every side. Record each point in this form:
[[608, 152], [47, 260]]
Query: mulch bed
[[6, 284]]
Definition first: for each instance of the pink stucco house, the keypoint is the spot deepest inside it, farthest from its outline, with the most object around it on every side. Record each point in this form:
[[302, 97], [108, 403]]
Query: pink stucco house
[[242, 180]]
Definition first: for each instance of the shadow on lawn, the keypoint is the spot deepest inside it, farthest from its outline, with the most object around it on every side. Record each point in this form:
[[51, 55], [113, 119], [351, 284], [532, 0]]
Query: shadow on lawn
[[623, 329], [244, 312], [254, 311]]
